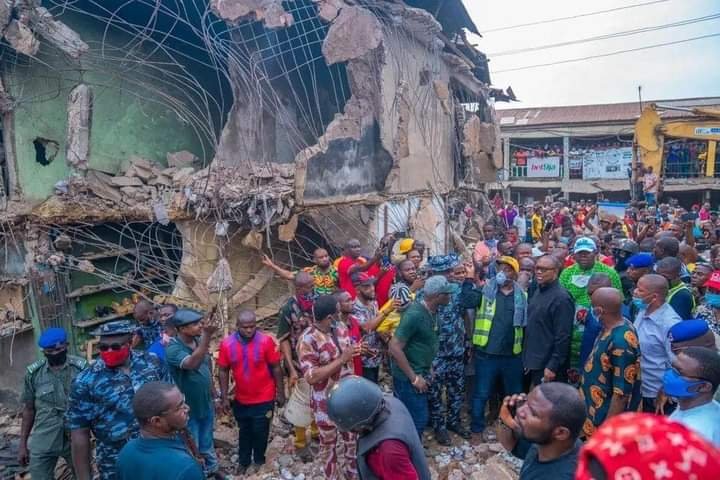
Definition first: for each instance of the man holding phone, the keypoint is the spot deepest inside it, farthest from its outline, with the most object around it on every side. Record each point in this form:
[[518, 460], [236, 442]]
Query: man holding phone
[[542, 428]]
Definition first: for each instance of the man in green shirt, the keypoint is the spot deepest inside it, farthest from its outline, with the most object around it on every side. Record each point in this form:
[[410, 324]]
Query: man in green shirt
[[47, 384], [414, 346], [575, 280], [190, 366]]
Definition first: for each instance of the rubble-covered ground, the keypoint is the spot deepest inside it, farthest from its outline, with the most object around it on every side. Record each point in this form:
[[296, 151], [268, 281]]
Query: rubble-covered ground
[[460, 461]]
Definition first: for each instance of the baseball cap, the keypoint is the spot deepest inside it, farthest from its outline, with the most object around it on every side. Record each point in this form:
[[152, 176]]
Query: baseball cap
[[714, 280], [640, 260], [509, 261], [185, 316], [52, 337], [584, 244], [118, 327], [363, 278], [437, 284]]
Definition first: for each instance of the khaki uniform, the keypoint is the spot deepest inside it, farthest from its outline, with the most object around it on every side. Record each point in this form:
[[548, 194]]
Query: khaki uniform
[[46, 390]]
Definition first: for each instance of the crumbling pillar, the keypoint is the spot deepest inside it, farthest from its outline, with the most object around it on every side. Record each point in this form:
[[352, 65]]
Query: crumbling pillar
[[79, 109]]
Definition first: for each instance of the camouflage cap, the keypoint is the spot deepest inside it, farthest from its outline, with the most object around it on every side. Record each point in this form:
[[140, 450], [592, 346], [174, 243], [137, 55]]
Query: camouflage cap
[[118, 327]]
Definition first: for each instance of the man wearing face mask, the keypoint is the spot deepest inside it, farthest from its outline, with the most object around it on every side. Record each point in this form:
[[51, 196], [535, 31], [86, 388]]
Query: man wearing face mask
[[161, 411], [500, 321], [693, 380], [448, 367], [101, 399], [610, 380], [46, 388], [653, 322]]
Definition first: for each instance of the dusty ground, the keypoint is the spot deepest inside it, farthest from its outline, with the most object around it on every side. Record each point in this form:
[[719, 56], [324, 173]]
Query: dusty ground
[[461, 461]]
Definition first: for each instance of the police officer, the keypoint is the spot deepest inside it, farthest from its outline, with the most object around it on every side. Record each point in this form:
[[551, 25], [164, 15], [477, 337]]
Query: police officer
[[101, 399], [388, 446], [47, 385]]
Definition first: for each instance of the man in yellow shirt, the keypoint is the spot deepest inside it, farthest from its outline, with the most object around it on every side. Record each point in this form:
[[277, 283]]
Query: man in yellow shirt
[[537, 224]]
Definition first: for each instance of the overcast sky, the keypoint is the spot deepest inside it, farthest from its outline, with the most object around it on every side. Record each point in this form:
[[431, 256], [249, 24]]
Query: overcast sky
[[678, 71]]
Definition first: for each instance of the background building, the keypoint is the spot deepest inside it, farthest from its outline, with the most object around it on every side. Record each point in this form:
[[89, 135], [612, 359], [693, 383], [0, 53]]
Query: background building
[[582, 151]]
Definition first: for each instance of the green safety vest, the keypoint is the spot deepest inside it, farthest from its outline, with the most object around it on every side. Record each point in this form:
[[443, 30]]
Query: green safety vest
[[676, 289], [483, 324]]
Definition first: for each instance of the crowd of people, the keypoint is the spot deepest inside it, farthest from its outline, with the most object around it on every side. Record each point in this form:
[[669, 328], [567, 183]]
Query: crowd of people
[[556, 324]]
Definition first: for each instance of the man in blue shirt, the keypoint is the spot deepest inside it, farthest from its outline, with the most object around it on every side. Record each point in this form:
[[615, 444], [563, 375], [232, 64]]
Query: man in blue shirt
[[160, 451]]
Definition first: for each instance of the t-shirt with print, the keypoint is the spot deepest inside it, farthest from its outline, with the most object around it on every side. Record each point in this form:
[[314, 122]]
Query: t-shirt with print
[[250, 362]]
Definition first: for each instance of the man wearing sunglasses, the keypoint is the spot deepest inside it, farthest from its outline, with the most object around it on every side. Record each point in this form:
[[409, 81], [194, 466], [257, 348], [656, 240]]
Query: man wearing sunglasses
[[101, 399], [693, 380], [162, 413], [47, 384]]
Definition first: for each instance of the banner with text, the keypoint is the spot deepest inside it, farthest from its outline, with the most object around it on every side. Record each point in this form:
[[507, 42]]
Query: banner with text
[[612, 163], [543, 167]]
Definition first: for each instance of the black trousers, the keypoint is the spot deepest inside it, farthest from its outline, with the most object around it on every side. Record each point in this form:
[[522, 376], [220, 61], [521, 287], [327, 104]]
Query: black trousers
[[372, 374], [648, 406], [253, 431]]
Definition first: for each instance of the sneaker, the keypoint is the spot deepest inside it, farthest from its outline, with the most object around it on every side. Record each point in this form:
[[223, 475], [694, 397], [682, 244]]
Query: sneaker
[[460, 430], [442, 437]]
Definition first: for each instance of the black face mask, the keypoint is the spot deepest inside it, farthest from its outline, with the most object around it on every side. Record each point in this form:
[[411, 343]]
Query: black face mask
[[56, 359]]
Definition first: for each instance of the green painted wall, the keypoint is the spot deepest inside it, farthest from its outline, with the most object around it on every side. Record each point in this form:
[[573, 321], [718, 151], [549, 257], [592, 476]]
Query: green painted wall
[[127, 119]]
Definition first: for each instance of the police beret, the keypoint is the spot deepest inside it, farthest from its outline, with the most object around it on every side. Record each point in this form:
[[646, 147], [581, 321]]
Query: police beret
[[51, 337], [640, 260], [185, 316], [118, 327], [688, 330]]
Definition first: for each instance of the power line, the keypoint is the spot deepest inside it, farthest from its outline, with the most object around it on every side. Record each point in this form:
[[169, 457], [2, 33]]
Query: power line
[[552, 20], [609, 54], [608, 36]]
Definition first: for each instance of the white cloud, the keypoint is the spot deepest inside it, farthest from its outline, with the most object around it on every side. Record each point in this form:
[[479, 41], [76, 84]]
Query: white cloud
[[684, 70]]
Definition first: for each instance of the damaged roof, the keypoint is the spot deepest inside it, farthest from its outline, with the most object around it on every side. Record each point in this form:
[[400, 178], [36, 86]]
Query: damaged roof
[[451, 14], [627, 112]]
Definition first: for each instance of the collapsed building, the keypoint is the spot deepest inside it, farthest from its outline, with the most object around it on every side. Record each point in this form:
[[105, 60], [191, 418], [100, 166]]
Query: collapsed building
[[157, 149]]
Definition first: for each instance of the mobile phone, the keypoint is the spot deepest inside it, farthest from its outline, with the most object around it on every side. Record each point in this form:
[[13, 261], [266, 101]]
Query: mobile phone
[[513, 409]]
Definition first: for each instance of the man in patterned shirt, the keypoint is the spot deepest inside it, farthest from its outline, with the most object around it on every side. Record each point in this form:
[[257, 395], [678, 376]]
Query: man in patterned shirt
[[365, 310], [611, 375], [324, 274], [101, 399], [326, 351]]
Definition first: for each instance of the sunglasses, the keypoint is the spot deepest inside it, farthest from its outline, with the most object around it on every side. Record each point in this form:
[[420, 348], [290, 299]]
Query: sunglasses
[[104, 347]]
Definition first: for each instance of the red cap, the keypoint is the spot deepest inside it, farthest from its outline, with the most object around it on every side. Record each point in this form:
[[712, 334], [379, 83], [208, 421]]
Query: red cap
[[363, 278], [714, 281], [640, 445]]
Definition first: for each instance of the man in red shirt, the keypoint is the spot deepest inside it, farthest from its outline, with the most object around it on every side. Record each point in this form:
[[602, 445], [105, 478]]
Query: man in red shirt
[[388, 447], [254, 359], [351, 263]]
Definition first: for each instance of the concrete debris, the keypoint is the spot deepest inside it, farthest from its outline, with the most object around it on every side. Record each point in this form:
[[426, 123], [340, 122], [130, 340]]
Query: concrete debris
[[182, 175], [79, 116], [442, 90], [101, 185], [21, 38], [5, 15], [270, 12], [253, 239], [122, 181], [86, 266], [182, 159], [354, 33], [286, 231], [479, 142], [221, 278], [420, 24], [328, 9], [57, 33]]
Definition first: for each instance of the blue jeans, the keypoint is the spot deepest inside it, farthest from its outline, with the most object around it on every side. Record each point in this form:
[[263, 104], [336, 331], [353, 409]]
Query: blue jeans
[[201, 430], [414, 401], [650, 199], [488, 368]]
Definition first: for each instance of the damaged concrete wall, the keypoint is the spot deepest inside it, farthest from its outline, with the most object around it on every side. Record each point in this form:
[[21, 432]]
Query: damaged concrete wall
[[126, 121], [417, 122]]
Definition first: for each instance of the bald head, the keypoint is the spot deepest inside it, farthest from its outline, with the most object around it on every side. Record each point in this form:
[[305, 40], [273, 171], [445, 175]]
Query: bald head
[[598, 280], [609, 299], [654, 283], [143, 311], [303, 283]]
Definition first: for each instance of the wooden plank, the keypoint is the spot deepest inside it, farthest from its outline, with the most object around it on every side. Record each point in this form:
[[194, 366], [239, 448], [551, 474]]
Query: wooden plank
[[90, 289]]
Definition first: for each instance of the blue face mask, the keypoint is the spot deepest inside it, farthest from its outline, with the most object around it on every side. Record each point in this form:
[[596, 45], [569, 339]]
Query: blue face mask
[[501, 278], [674, 385], [639, 303], [713, 299]]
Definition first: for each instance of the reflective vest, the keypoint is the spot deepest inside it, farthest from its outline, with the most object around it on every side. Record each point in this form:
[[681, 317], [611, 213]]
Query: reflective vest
[[676, 289], [483, 324]]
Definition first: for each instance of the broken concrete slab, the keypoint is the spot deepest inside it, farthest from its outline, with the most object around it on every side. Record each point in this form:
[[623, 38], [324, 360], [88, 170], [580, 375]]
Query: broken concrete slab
[[58, 34], [354, 33], [161, 180], [183, 175], [101, 185], [79, 119], [286, 232], [182, 159], [21, 38], [122, 181], [442, 90], [328, 9], [270, 12]]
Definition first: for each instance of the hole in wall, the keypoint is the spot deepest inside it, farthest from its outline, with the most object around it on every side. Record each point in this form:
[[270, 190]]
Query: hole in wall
[[45, 150]]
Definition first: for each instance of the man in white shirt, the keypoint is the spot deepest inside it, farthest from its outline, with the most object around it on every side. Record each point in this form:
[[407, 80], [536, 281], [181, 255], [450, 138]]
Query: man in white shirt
[[650, 186], [693, 380], [653, 322], [520, 222]]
